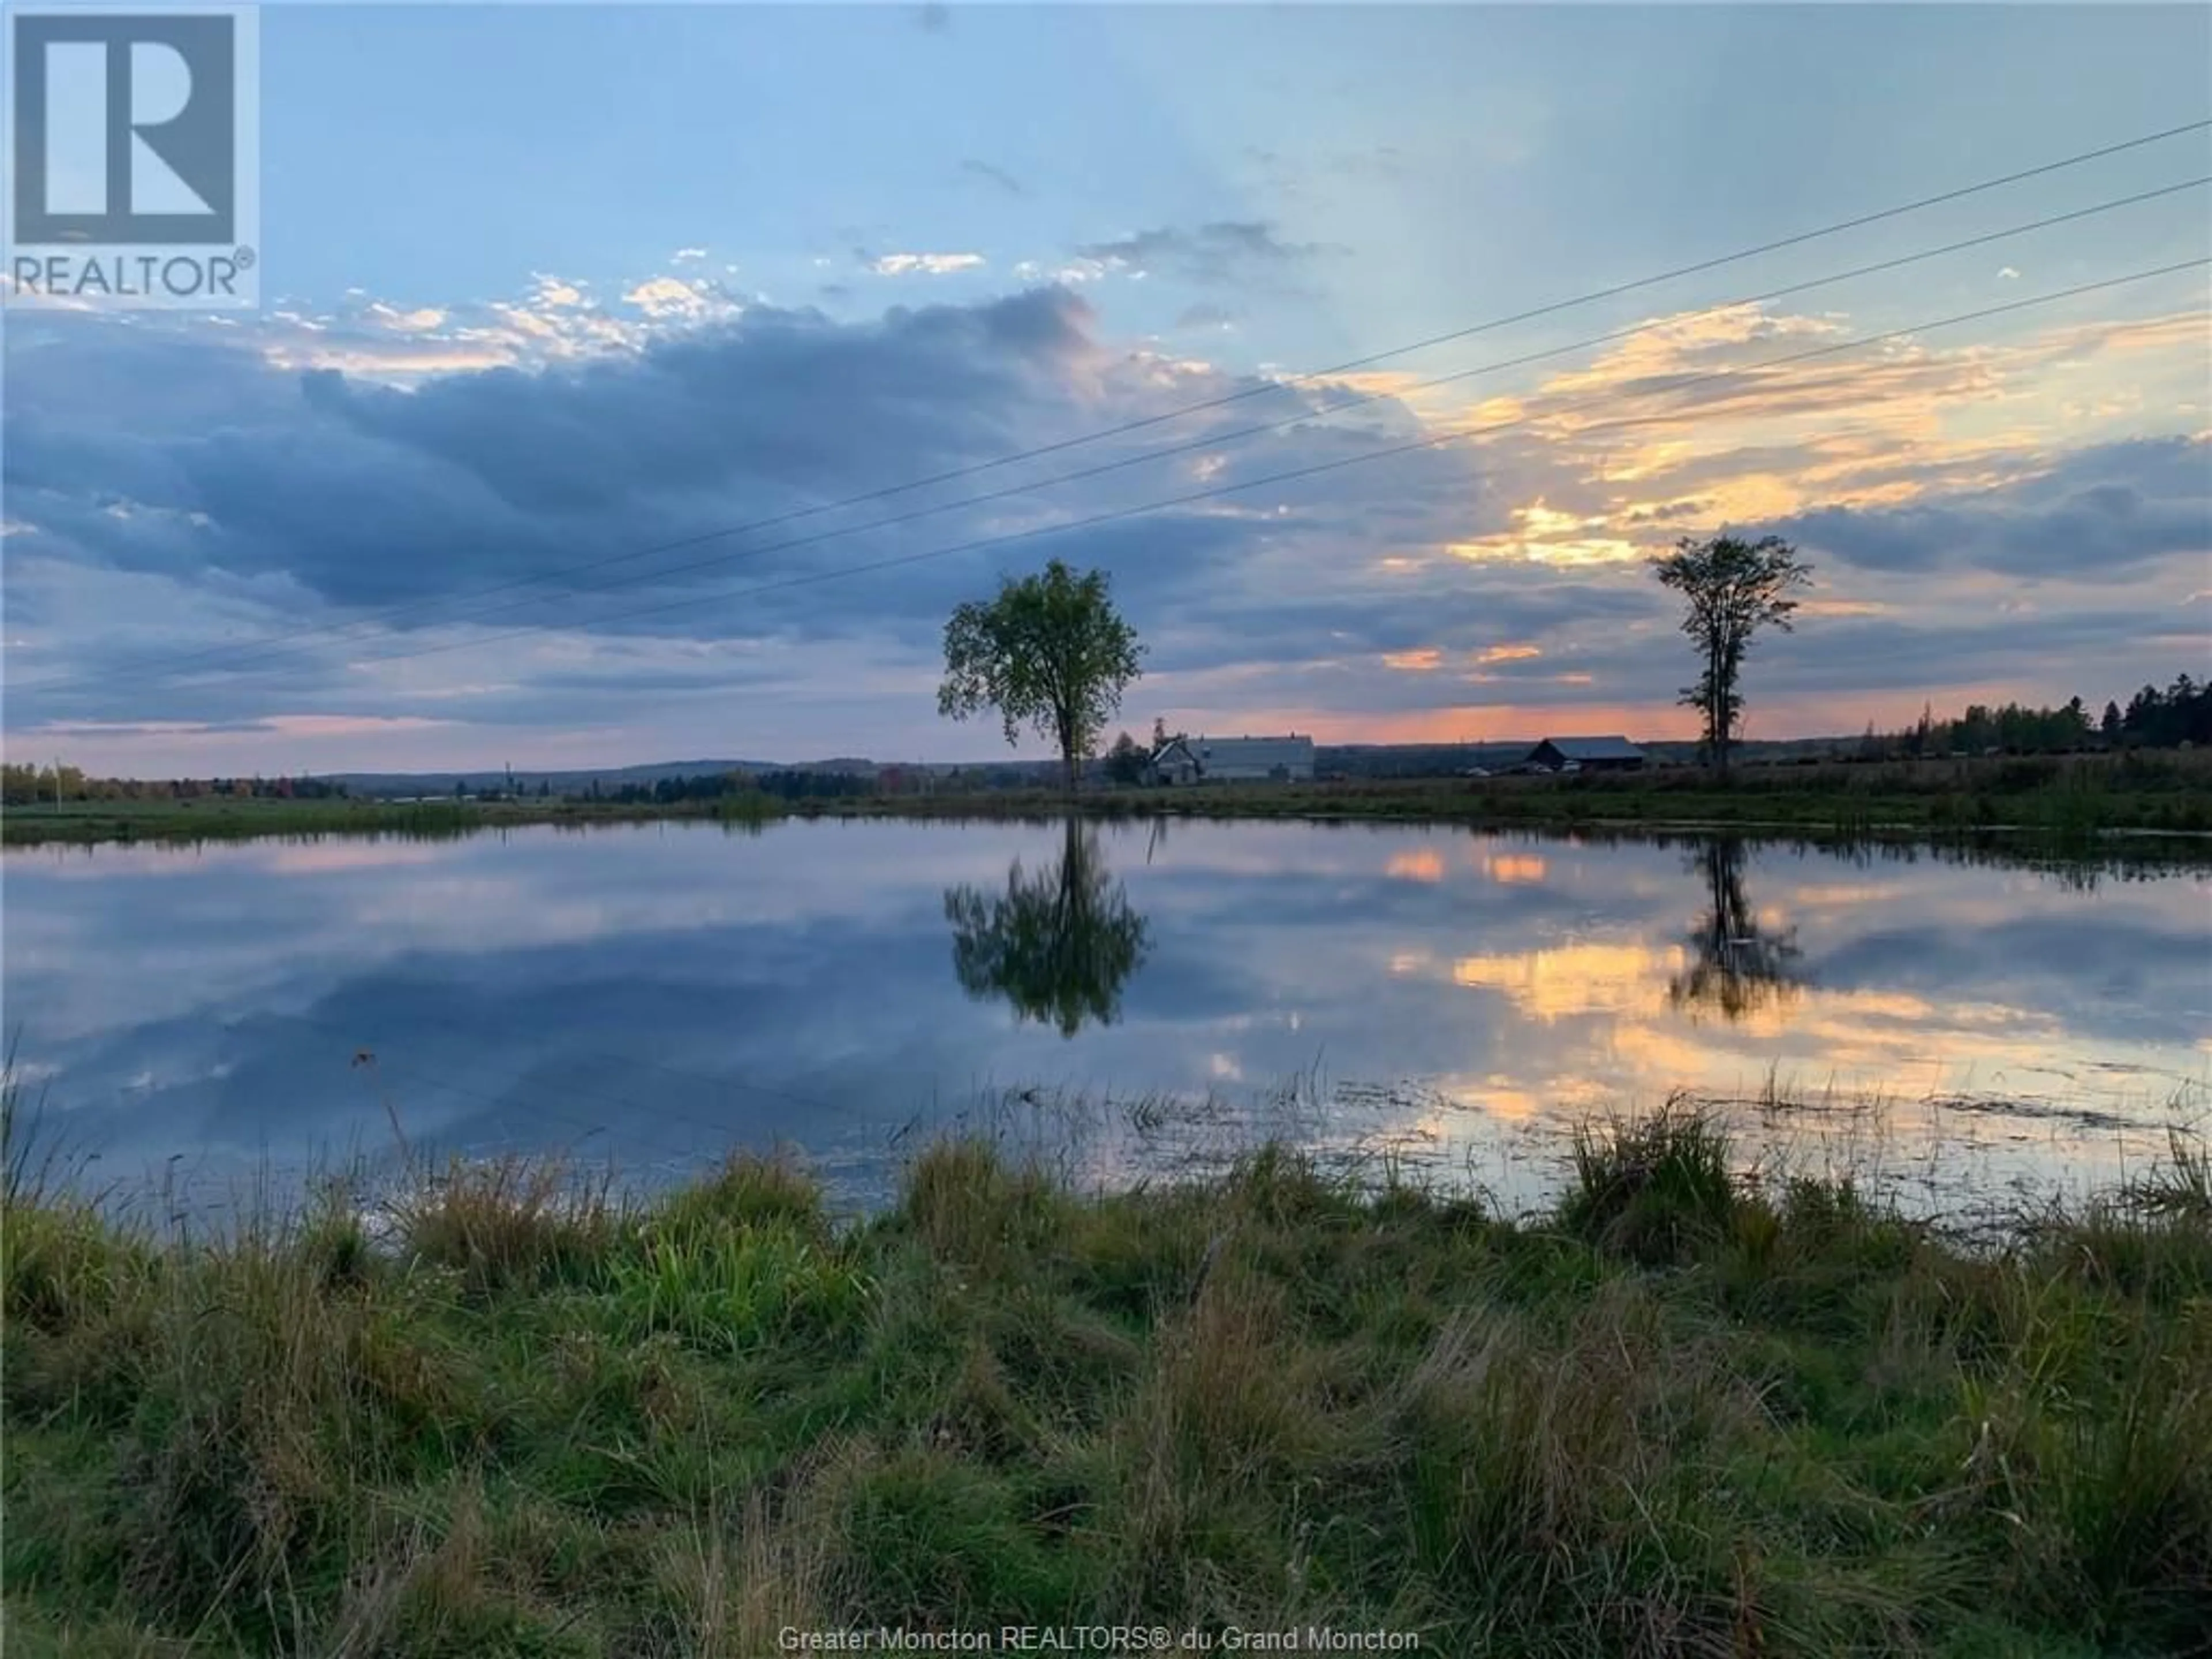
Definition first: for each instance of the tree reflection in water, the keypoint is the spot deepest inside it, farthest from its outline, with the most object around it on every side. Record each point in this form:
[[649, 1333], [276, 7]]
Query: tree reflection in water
[[1058, 945], [1736, 966]]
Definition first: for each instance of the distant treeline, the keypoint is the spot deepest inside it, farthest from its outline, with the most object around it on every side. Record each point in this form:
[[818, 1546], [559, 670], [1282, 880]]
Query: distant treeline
[[718, 786], [2152, 720], [22, 785]]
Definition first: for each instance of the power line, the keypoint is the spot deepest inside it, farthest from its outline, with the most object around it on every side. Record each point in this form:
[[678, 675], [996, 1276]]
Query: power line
[[1144, 423], [1292, 475], [1221, 439], [1216, 440]]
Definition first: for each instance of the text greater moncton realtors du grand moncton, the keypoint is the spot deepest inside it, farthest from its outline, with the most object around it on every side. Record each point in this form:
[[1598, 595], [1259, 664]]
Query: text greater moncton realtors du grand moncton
[[1102, 1641]]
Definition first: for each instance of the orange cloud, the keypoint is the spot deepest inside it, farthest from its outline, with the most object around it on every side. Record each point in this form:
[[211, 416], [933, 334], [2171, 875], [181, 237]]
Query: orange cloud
[[1845, 608], [1423, 661], [1547, 536], [1617, 456]]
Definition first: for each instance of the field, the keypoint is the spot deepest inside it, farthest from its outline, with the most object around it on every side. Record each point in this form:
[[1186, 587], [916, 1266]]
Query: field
[[2167, 792], [209, 817], [2164, 792], [1689, 1410]]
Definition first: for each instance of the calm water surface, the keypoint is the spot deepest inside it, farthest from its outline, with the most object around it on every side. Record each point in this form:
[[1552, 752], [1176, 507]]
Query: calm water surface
[[1138, 996]]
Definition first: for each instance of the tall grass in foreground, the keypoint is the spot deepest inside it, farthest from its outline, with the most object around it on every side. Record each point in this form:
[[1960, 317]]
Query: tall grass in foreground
[[1687, 1413]]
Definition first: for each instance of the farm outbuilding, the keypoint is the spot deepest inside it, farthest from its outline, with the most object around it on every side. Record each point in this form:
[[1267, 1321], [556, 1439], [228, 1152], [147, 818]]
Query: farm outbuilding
[[1234, 760], [1588, 754]]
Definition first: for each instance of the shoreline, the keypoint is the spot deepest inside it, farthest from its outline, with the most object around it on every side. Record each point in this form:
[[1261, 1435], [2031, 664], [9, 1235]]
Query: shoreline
[[1678, 1411], [1957, 801]]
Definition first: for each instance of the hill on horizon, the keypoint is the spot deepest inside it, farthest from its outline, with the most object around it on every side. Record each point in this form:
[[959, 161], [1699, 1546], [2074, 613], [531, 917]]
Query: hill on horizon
[[1357, 759]]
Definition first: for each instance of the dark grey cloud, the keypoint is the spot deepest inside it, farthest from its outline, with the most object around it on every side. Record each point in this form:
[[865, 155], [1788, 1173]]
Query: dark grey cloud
[[238, 497], [324, 495], [365, 494], [1457, 611], [1227, 252], [2114, 508]]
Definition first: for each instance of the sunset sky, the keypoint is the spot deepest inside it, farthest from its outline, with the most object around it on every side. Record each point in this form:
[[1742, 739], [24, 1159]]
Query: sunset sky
[[547, 286]]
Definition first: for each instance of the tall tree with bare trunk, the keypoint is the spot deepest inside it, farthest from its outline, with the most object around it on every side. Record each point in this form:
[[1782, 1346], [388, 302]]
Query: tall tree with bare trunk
[[1731, 589]]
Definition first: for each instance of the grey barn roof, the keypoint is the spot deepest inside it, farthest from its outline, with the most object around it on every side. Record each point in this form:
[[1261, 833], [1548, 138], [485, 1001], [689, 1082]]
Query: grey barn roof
[[1254, 751], [1588, 749], [1215, 753]]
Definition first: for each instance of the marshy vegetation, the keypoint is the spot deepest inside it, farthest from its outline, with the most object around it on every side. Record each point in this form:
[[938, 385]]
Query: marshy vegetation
[[1690, 1410], [2065, 797], [2073, 798], [212, 819]]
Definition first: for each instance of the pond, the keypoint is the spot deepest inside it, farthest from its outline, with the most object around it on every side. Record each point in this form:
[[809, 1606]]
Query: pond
[[1132, 999]]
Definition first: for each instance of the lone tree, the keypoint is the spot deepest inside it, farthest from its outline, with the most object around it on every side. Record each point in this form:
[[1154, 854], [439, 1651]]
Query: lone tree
[[1731, 588], [1050, 653]]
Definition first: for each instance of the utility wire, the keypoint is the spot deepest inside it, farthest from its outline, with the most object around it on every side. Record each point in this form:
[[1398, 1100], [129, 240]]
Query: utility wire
[[1294, 474], [1217, 441], [1144, 423], [1221, 439]]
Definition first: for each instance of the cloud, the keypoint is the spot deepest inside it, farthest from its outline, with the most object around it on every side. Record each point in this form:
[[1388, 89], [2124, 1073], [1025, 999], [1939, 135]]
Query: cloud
[[241, 496], [175, 487], [2103, 510], [1224, 253], [999, 176], [1693, 425], [363, 493], [922, 265], [1073, 274], [666, 297]]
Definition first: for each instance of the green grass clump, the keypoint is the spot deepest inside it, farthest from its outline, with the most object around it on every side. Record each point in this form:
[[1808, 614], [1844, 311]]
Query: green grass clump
[[1692, 1410], [1653, 1190]]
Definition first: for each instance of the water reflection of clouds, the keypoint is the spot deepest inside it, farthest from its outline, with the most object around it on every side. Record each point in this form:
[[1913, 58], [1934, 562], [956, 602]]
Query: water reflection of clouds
[[1424, 866], [664, 984], [1510, 868]]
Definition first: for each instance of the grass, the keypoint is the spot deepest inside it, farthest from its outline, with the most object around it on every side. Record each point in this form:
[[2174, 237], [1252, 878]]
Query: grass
[[2074, 796], [2060, 796], [210, 818], [1690, 1410]]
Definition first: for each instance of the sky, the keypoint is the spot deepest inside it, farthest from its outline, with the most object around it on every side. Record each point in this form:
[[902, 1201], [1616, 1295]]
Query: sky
[[583, 328]]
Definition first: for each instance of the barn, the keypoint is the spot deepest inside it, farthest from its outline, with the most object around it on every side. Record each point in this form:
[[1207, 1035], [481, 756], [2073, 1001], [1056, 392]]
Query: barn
[[1588, 754]]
